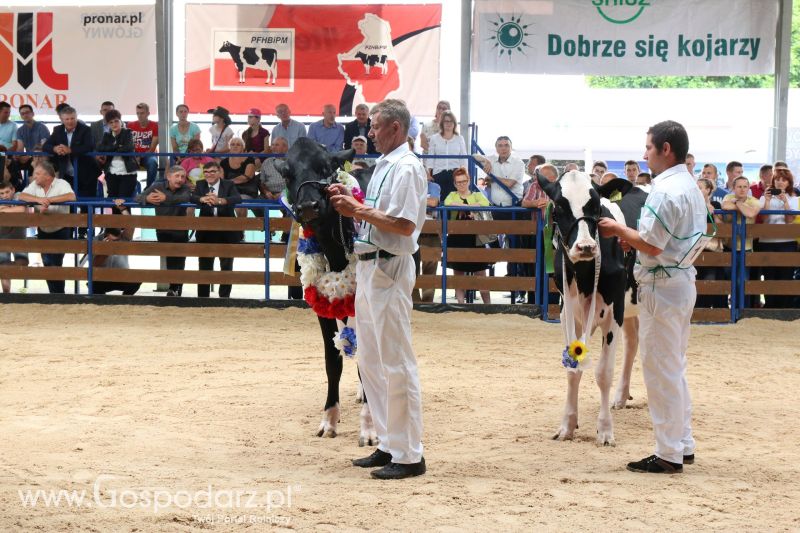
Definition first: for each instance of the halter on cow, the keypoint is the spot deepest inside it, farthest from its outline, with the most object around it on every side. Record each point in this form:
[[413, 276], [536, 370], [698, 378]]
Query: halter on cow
[[308, 170], [590, 274]]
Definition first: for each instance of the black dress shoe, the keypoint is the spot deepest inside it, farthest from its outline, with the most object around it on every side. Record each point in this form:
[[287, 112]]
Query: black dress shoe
[[378, 458], [688, 459], [655, 465], [399, 471]]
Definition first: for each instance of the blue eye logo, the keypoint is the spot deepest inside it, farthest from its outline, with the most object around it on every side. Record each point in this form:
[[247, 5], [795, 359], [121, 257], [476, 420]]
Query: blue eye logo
[[509, 35]]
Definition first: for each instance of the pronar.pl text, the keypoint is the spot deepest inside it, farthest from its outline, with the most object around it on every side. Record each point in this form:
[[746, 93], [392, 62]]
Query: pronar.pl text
[[131, 19]]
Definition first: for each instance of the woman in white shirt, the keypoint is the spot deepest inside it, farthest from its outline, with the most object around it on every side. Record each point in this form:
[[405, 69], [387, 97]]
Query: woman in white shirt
[[446, 142], [780, 197]]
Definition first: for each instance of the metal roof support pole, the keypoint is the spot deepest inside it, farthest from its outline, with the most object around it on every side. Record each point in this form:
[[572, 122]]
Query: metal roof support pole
[[783, 49], [466, 54]]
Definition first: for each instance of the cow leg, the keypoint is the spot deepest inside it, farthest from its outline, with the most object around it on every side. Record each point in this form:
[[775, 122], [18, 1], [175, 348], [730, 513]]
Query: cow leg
[[604, 375], [241, 76], [367, 434], [333, 369], [569, 422], [630, 330]]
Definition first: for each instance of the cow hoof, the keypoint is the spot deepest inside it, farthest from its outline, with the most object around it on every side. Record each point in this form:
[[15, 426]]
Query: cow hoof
[[621, 401], [360, 393], [605, 440], [564, 434], [330, 420], [367, 435]]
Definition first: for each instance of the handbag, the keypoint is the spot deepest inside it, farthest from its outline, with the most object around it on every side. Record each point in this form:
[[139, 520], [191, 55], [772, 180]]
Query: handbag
[[483, 240]]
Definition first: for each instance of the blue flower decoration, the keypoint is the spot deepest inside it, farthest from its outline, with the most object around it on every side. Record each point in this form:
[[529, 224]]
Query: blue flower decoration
[[308, 246], [349, 335], [568, 361]]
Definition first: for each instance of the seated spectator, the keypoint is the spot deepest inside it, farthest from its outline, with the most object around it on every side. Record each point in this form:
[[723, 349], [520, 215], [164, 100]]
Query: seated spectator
[[740, 200], [288, 128], [256, 136], [115, 261], [216, 198], [780, 197], [644, 179], [598, 171], [632, 170], [11, 232], [428, 268], [536, 197], [446, 142], [359, 144], [193, 164], [463, 196], [359, 128], [145, 141], [8, 129], [327, 131], [706, 187], [120, 171], [764, 182], [429, 129], [100, 126], [733, 170], [183, 131], [11, 171], [69, 143], [167, 197], [46, 191], [220, 130], [241, 171], [271, 182], [31, 133]]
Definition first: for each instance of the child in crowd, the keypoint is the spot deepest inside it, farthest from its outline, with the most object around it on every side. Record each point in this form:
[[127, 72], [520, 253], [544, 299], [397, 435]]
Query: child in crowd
[[10, 232]]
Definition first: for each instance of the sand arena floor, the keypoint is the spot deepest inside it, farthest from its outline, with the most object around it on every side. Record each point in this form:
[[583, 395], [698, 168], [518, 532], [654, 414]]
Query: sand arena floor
[[135, 400]]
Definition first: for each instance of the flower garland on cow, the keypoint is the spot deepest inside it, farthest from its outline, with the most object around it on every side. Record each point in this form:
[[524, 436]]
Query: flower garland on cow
[[331, 294]]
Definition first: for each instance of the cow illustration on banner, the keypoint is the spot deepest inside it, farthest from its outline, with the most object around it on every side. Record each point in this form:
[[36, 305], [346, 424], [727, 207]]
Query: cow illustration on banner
[[245, 56], [251, 60]]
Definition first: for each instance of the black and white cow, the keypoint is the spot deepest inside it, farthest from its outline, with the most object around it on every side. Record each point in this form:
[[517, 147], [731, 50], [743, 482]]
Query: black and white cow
[[308, 170], [370, 60], [578, 207], [265, 59]]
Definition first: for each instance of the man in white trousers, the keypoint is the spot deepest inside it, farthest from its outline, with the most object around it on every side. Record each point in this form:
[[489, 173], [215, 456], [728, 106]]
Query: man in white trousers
[[391, 219], [670, 225]]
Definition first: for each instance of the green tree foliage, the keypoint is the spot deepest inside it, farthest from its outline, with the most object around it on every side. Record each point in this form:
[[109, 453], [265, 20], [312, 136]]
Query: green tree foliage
[[713, 82]]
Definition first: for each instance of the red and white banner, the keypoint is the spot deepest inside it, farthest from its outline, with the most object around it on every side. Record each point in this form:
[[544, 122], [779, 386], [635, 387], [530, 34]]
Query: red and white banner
[[79, 55], [243, 56]]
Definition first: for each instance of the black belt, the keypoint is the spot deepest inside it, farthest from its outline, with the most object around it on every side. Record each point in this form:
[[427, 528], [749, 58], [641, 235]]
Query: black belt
[[369, 256]]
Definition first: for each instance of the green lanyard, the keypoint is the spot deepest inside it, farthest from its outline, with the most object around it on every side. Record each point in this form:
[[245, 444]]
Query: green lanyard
[[374, 199], [697, 236]]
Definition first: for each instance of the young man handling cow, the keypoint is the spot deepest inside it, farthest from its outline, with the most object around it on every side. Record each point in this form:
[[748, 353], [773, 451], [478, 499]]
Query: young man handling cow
[[671, 222], [391, 220]]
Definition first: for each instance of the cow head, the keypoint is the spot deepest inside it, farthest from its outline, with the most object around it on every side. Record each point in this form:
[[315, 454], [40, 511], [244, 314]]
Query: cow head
[[577, 210], [308, 169], [227, 46]]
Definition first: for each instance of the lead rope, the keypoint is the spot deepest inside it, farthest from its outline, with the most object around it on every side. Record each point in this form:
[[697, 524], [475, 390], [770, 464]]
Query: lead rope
[[569, 318]]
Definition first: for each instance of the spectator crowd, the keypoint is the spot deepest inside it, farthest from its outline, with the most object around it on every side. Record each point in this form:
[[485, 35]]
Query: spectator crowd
[[237, 167]]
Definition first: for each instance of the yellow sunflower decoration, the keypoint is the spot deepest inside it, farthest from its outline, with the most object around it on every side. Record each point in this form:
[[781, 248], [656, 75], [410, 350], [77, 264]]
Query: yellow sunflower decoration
[[577, 351]]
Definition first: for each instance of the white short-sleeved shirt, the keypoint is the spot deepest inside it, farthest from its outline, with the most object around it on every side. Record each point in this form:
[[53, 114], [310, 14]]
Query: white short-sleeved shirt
[[399, 188], [512, 168], [440, 146], [675, 208], [776, 205], [58, 188]]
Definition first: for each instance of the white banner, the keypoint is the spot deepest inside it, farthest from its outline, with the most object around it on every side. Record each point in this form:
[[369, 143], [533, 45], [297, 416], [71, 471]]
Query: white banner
[[79, 55], [625, 37]]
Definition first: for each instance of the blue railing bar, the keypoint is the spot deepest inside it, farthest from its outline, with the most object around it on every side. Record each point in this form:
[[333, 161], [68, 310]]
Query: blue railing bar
[[444, 259], [90, 252]]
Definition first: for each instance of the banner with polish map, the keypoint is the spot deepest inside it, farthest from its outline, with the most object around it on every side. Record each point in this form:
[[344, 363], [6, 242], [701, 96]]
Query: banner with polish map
[[306, 56]]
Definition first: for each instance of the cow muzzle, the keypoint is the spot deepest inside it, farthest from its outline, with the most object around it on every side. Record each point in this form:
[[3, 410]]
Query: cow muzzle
[[583, 250]]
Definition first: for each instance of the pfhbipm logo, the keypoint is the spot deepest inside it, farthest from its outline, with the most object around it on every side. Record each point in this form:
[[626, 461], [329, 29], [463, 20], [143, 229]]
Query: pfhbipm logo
[[26, 45]]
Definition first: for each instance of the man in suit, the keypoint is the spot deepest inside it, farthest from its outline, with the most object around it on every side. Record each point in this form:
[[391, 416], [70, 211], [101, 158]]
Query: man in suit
[[70, 142], [216, 198], [359, 127], [100, 127]]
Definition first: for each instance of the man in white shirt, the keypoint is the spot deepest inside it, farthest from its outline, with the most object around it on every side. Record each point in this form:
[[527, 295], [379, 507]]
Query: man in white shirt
[[288, 128], [391, 220], [671, 222], [508, 169], [45, 190]]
